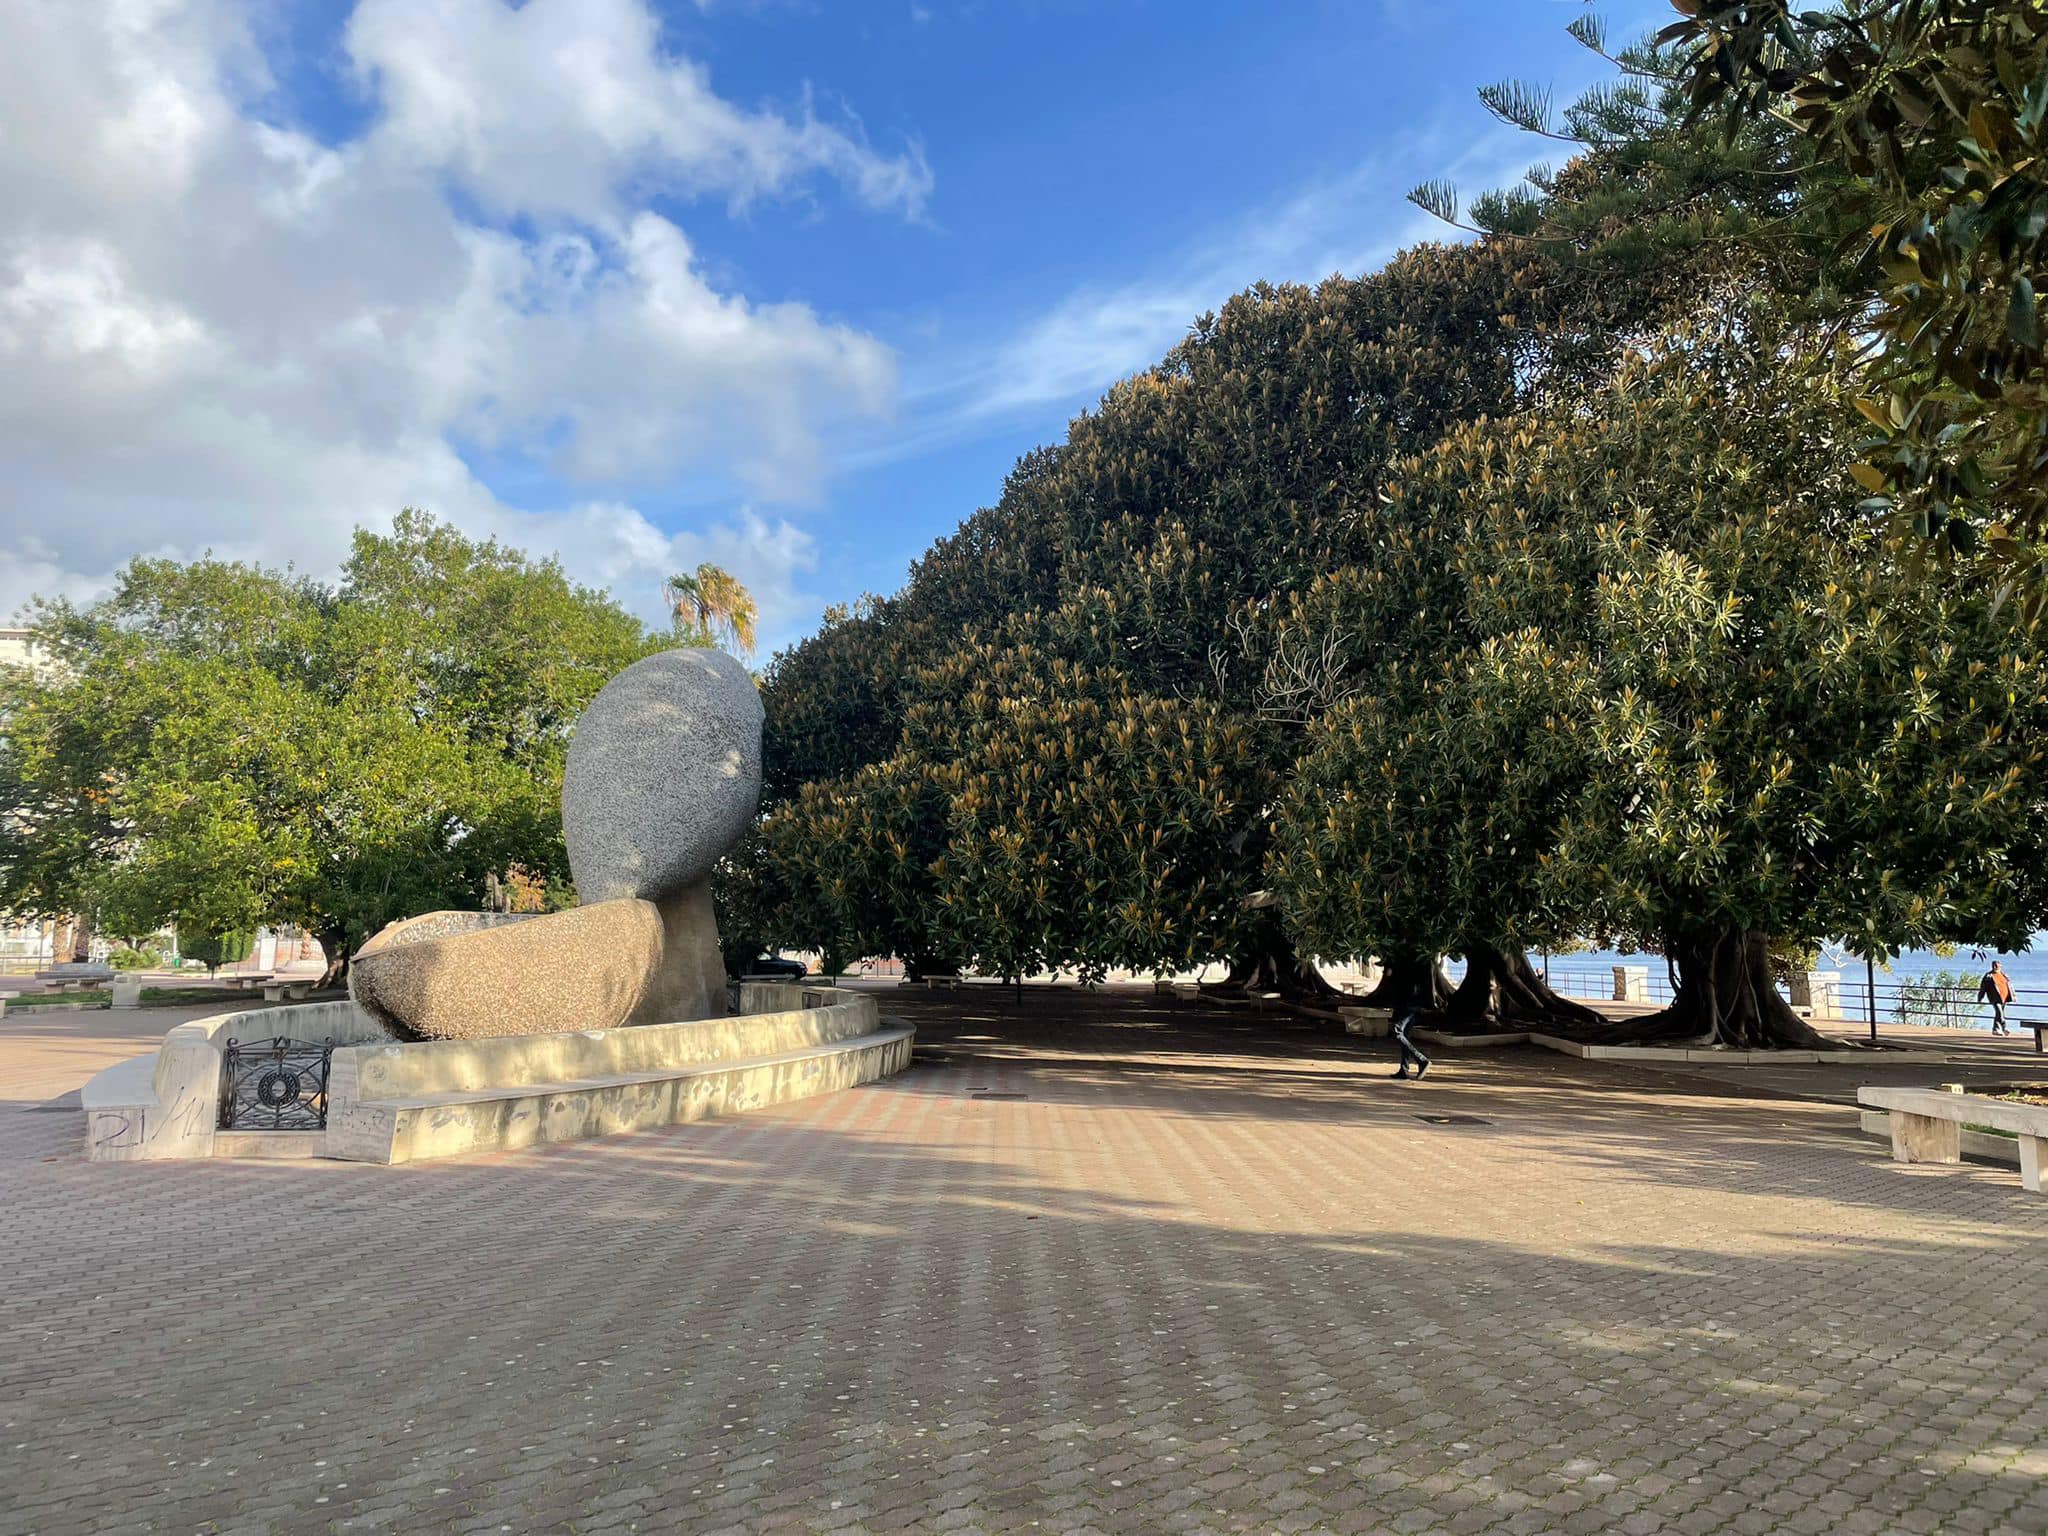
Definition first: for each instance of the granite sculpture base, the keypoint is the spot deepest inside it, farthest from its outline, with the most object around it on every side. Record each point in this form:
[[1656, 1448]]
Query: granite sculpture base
[[472, 976], [663, 775]]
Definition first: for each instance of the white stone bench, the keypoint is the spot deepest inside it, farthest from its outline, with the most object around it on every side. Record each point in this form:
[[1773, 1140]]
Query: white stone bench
[[1373, 1023], [1927, 1125], [79, 977], [285, 991]]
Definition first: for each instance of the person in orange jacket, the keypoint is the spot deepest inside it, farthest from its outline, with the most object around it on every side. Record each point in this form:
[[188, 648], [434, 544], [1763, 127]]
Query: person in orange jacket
[[1996, 989]]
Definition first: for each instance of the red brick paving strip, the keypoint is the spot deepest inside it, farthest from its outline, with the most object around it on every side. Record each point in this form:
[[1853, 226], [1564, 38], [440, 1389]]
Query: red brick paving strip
[[1209, 1275]]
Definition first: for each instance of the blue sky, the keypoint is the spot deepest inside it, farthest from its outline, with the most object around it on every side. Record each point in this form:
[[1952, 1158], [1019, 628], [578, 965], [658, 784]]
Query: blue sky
[[640, 282]]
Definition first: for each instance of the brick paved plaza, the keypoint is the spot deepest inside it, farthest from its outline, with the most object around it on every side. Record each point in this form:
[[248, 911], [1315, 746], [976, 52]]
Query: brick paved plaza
[[1199, 1271]]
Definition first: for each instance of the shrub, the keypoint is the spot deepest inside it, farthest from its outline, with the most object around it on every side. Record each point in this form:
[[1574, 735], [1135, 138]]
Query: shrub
[[216, 950]]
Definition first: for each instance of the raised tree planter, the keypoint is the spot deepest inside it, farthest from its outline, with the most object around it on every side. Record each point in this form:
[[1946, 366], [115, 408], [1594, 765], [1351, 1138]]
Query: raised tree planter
[[1373, 1023]]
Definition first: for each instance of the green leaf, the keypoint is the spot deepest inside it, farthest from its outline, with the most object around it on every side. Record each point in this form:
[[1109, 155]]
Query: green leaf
[[2022, 317]]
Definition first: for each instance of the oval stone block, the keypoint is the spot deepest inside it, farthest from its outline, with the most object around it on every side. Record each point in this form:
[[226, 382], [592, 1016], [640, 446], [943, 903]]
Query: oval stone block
[[664, 774], [465, 976]]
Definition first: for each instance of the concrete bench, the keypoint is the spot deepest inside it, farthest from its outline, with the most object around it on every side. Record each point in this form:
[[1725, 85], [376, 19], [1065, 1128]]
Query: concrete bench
[[73, 978], [244, 983], [285, 991], [1373, 1023], [2039, 1027], [1927, 1125]]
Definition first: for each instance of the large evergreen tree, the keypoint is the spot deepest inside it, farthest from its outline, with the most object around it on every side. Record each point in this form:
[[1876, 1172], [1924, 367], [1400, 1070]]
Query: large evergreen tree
[[1698, 701], [1877, 164], [1133, 570], [1936, 112]]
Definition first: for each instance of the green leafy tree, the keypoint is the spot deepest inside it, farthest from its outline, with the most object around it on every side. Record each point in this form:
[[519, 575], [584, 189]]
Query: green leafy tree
[[835, 701], [1702, 702], [1877, 164], [1131, 570], [1087, 824], [214, 950], [221, 746], [1939, 108]]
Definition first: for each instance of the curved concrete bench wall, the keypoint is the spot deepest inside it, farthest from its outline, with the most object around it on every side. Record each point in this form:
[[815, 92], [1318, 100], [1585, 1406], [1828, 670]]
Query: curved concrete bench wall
[[393, 1070], [399, 1103], [168, 1104], [393, 1101]]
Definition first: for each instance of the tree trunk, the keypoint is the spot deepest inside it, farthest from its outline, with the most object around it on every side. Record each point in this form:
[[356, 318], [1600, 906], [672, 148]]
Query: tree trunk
[[334, 941], [1503, 988], [1726, 996], [1272, 964], [1410, 981]]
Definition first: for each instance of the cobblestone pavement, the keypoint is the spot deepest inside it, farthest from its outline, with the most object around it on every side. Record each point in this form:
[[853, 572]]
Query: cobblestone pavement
[[1093, 1265]]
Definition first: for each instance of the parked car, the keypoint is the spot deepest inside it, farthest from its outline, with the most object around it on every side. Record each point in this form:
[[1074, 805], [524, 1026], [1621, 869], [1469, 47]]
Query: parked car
[[775, 965]]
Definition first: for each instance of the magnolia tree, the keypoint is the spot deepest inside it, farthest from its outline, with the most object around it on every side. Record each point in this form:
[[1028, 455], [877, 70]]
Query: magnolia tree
[[1875, 163], [1701, 703], [1058, 722]]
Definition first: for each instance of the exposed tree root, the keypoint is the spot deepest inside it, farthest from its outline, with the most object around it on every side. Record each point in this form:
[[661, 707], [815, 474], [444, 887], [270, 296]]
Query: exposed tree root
[[1501, 990], [1726, 996]]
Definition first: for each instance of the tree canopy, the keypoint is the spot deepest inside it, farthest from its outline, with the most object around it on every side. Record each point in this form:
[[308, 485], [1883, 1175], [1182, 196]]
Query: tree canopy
[[220, 745], [1058, 720], [1521, 591], [1695, 700], [1877, 162]]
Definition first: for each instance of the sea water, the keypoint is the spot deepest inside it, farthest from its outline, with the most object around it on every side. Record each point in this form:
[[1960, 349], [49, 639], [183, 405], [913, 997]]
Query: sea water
[[2027, 968]]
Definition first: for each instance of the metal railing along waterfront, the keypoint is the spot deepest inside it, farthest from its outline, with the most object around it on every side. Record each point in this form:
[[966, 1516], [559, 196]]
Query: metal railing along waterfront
[[1931, 1002]]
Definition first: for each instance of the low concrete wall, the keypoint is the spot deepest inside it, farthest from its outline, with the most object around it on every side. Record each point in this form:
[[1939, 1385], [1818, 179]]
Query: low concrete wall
[[394, 1070], [524, 1115], [167, 1104], [393, 1101], [1372, 1023]]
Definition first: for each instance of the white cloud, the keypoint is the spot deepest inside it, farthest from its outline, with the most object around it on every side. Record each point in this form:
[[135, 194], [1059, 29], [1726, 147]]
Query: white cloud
[[553, 107], [1095, 336], [612, 545], [220, 333]]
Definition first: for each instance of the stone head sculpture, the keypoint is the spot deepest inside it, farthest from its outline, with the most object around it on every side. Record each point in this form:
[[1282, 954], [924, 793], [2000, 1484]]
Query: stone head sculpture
[[663, 776]]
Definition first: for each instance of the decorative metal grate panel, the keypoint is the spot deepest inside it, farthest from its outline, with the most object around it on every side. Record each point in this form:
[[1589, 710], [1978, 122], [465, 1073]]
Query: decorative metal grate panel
[[274, 1085]]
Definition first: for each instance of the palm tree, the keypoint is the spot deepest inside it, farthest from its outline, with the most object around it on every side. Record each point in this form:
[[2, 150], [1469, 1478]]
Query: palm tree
[[712, 608]]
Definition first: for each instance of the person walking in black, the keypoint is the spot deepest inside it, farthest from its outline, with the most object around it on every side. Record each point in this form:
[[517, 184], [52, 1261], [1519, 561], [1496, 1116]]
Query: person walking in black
[[1996, 989], [1404, 1017]]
